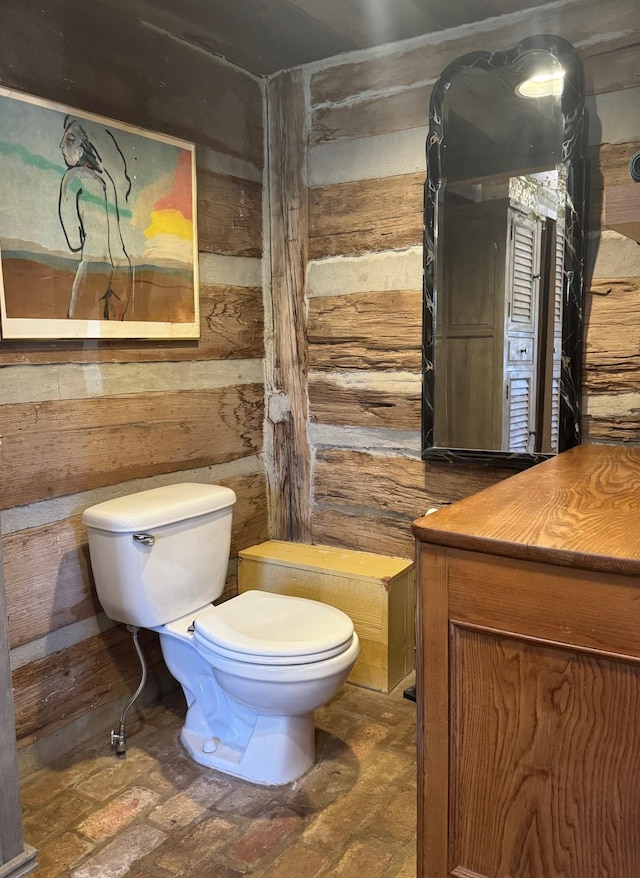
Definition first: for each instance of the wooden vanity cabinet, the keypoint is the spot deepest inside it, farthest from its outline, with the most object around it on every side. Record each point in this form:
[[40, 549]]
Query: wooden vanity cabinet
[[529, 674]]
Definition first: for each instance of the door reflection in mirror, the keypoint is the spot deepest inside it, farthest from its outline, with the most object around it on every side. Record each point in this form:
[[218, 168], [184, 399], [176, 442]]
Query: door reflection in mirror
[[499, 318]]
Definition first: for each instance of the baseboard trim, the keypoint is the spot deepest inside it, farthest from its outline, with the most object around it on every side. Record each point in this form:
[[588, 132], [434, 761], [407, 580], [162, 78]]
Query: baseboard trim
[[23, 864]]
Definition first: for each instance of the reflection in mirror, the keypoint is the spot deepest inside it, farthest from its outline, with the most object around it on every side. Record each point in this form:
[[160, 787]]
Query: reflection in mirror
[[504, 255]]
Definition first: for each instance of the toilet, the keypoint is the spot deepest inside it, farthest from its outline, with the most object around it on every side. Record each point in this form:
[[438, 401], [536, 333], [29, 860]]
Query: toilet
[[254, 668]]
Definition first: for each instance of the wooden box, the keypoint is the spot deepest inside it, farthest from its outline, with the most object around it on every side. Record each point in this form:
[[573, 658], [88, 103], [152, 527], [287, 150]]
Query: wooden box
[[376, 591]]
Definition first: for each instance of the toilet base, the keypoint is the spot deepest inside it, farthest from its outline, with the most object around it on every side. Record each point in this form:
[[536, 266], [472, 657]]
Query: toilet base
[[279, 750]]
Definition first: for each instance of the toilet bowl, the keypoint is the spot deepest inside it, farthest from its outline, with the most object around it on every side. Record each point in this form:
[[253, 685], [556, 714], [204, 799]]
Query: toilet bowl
[[252, 669]]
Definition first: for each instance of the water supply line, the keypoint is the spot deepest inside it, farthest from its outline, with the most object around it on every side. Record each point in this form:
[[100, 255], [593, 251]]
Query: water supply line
[[119, 738]]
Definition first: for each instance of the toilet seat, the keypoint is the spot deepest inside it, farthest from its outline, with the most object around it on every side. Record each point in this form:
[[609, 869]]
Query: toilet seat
[[273, 629]]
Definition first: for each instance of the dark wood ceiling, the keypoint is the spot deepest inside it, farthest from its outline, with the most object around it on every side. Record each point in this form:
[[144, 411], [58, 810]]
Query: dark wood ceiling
[[265, 36]]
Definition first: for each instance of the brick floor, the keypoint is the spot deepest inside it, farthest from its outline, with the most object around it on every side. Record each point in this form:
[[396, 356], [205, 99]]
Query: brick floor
[[156, 814]]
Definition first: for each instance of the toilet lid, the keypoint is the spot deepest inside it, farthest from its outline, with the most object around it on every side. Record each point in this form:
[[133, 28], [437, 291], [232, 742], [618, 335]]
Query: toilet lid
[[274, 629]]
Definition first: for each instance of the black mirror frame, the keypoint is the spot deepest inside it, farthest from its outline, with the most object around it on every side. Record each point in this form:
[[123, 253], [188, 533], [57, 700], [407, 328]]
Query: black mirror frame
[[575, 162]]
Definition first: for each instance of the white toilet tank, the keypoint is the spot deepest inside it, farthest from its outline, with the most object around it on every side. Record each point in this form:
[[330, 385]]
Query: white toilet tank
[[160, 554]]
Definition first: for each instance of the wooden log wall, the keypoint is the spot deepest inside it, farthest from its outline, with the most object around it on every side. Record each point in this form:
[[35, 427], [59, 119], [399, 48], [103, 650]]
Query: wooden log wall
[[84, 422], [368, 117]]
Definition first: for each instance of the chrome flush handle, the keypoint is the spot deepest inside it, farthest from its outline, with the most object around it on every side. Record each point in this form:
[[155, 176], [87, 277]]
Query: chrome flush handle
[[145, 539]]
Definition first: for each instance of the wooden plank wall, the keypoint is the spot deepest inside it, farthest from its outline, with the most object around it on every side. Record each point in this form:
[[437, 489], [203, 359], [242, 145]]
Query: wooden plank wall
[[83, 422], [368, 122]]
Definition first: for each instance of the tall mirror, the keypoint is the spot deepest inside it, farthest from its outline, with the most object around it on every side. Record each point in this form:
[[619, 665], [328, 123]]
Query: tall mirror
[[504, 255]]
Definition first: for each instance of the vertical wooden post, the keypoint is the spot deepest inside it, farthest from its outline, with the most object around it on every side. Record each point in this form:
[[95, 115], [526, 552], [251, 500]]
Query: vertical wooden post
[[16, 859], [287, 359]]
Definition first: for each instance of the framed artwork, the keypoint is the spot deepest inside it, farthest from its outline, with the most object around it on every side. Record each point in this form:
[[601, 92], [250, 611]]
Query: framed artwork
[[98, 231]]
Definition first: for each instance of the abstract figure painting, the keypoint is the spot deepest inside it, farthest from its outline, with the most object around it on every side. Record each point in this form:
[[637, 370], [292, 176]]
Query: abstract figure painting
[[97, 227]]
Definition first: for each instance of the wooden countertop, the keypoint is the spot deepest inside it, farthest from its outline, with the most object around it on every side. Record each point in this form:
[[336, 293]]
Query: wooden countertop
[[579, 509]]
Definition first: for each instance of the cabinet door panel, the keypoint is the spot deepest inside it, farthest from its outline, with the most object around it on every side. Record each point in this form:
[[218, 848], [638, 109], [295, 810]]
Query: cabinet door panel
[[519, 411], [544, 759], [523, 274], [472, 401]]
